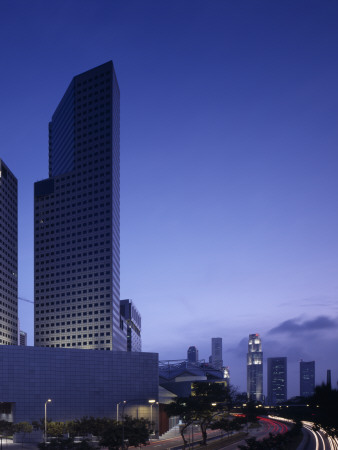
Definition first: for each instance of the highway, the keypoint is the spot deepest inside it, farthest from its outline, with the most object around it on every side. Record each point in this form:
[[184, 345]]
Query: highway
[[267, 426], [317, 440]]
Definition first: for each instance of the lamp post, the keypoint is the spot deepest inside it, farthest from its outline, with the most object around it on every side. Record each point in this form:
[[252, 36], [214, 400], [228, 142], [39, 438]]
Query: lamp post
[[47, 401], [117, 409], [123, 405], [152, 402]]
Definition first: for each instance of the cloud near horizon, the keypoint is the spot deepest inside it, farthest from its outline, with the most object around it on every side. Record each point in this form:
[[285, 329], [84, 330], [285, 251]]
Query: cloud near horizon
[[295, 326]]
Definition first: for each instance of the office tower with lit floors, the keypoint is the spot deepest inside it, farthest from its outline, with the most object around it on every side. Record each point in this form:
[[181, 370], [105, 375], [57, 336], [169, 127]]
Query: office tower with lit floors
[[8, 256], [277, 380], [255, 368], [77, 220], [307, 378]]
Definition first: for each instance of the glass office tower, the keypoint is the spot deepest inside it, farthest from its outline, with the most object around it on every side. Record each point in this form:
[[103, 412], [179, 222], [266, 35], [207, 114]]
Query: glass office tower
[[255, 368], [306, 378], [277, 380], [77, 220], [8, 256]]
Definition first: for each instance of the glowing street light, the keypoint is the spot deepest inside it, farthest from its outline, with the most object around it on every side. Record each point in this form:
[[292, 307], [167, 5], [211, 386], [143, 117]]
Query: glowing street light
[[48, 401], [117, 409], [152, 403]]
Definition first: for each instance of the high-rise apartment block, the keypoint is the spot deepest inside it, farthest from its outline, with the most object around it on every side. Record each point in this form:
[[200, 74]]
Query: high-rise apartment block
[[307, 378], [216, 353], [192, 354], [255, 368], [8, 256], [77, 220], [133, 323], [277, 380]]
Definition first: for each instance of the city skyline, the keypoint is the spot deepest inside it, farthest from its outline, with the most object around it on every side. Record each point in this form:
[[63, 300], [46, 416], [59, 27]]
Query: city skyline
[[229, 191]]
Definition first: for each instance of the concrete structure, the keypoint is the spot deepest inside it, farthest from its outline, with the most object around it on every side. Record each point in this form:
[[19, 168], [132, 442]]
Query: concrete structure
[[192, 354], [306, 378], [133, 322], [216, 353], [178, 376], [255, 368], [8, 257], [23, 338], [79, 383], [77, 220], [277, 380]]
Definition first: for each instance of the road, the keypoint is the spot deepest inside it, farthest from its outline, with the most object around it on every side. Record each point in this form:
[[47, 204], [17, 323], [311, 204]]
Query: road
[[317, 440], [267, 426]]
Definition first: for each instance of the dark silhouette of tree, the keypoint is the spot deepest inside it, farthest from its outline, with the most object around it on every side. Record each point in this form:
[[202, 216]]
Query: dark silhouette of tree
[[207, 400], [324, 405]]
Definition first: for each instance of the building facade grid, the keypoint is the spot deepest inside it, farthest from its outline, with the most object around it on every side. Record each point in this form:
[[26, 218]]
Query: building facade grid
[[77, 220], [8, 256]]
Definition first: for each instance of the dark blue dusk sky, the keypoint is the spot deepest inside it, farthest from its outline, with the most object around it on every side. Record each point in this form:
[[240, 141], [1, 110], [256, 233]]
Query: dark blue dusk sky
[[229, 162]]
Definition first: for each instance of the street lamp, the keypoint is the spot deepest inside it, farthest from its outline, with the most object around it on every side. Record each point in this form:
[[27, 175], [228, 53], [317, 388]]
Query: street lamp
[[123, 405], [152, 403], [117, 409], [48, 401]]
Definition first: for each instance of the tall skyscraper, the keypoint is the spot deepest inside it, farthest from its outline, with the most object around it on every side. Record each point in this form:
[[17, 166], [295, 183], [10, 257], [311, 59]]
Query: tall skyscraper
[[217, 352], [132, 318], [8, 256], [307, 378], [277, 380], [192, 354], [255, 368], [77, 220]]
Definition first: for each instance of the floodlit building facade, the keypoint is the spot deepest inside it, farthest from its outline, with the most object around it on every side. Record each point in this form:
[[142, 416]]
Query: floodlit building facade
[[277, 380], [307, 378], [77, 220], [255, 368], [8, 256]]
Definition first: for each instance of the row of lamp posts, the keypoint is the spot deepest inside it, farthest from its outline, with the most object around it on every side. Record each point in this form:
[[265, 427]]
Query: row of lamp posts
[[123, 403]]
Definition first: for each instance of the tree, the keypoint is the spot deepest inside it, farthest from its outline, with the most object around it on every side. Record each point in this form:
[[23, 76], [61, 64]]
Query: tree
[[183, 407], [23, 427], [324, 405], [228, 425], [207, 400], [135, 431]]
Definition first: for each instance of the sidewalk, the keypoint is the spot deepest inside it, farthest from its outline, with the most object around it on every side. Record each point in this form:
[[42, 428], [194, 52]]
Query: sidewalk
[[8, 444]]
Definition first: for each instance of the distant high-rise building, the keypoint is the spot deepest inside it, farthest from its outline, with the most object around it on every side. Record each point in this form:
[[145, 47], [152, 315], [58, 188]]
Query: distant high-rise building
[[23, 338], [255, 368], [77, 220], [328, 378], [133, 321], [217, 352], [307, 378], [192, 354], [277, 380], [8, 256]]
